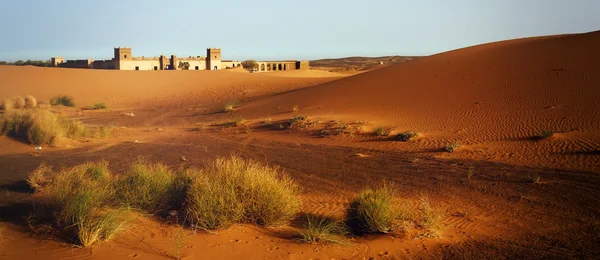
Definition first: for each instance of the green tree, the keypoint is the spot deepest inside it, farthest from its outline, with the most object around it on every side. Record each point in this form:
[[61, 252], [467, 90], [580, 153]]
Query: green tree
[[184, 65], [250, 65]]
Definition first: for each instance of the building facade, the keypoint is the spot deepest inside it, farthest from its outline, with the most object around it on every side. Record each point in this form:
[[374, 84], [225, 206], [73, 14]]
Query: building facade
[[123, 59]]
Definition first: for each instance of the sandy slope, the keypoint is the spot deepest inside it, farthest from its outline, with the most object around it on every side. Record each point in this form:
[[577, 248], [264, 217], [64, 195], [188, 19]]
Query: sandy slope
[[492, 97]]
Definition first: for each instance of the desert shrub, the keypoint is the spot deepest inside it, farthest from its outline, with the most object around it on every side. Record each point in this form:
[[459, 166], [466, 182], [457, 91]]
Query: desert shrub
[[451, 147], [295, 109], [14, 102], [30, 102], [231, 190], [431, 219], [321, 229], [546, 134], [40, 127], [64, 100], [99, 105], [268, 122], [380, 131], [147, 186], [372, 210], [43, 105], [228, 107], [80, 200], [406, 136], [39, 177], [535, 178], [239, 121]]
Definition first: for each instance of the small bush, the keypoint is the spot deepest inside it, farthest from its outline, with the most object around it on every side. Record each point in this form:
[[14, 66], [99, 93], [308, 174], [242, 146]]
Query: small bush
[[14, 102], [30, 102], [40, 127], [295, 109], [320, 229], [239, 121], [268, 122], [546, 134], [62, 100], [372, 211], [228, 107], [431, 220], [232, 190], [535, 179], [406, 136], [380, 131], [99, 105], [147, 186], [451, 147]]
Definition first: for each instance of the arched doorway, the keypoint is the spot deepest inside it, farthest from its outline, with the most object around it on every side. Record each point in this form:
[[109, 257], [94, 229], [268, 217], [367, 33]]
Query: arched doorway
[[262, 67], [274, 67], [280, 67]]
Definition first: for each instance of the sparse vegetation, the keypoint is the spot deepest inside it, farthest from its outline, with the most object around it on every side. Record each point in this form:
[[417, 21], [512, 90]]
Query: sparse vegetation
[[451, 147], [232, 190], [64, 100], [372, 210], [321, 229], [534, 178], [470, 173], [183, 65], [228, 107], [268, 122], [39, 177], [99, 105], [380, 131], [295, 109], [250, 65], [431, 220], [406, 136]]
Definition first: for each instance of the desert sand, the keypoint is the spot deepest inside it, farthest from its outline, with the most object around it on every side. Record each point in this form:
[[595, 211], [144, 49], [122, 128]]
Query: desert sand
[[495, 99]]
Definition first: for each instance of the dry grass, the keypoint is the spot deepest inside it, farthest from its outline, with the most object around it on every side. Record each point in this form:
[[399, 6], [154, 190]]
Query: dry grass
[[99, 105], [380, 131], [228, 107], [451, 147], [431, 219], [322, 230], [14, 102], [406, 136], [232, 190], [40, 127], [239, 121], [39, 177], [30, 102], [372, 211], [295, 109]]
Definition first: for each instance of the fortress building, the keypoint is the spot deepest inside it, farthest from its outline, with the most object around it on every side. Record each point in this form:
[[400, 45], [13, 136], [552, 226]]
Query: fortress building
[[124, 60]]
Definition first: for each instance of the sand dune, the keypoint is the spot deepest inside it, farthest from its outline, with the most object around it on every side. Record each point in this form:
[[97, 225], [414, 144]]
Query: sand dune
[[493, 97]]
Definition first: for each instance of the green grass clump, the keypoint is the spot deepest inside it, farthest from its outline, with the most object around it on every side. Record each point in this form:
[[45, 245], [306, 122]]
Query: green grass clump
[[451, 147], [321, 229], [372, 211], [406, 136], [232, 190], [64, 100], [147, 186], [99, 105], [80, 199]]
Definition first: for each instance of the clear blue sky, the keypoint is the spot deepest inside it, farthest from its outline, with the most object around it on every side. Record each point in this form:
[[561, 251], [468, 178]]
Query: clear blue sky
[[278, 29]]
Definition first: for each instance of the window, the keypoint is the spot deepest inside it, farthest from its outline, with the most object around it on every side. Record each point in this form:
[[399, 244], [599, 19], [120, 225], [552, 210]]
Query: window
[[215, 57], [155, 67], [125, 55], [197, 68], [137, 68]]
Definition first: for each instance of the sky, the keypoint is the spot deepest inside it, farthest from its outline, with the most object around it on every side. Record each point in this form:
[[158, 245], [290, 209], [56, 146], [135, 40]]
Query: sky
[[275, 30]]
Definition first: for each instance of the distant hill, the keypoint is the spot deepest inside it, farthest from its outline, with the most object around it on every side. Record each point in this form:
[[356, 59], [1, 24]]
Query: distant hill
[[358, 63]]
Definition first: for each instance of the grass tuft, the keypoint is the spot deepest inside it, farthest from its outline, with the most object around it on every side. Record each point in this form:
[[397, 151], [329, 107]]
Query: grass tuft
[[99, 105], [64, 100], [406, 136], [372, 210], [232, 190], [451, 147], [431, 220], [546, 134], [39, 177], [228, 107], [322, 230], [380, 131], [40, 127], [147, 186], [239, 121]]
